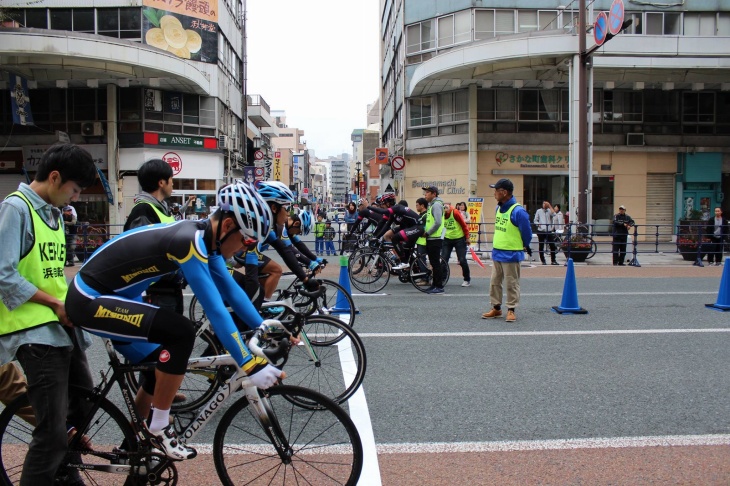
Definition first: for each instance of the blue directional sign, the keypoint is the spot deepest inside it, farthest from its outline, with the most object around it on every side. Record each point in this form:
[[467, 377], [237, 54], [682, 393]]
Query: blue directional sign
[[600, 28], [616, 17]]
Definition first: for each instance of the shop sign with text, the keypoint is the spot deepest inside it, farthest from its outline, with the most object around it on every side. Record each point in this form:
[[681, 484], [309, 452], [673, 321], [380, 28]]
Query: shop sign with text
[[448, 186], [532, 161], [32, 155]]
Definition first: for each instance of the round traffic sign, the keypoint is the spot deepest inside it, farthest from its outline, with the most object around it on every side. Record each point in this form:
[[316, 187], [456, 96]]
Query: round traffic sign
[[258, 155], [258, 171], [616, 17], [398, 163], [600, 28]]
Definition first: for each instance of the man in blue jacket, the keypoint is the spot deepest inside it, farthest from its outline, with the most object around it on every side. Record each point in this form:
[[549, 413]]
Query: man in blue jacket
[[512, 235]]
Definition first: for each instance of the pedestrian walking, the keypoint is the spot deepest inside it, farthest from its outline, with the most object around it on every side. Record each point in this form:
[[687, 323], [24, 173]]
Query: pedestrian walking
[[512, 236]]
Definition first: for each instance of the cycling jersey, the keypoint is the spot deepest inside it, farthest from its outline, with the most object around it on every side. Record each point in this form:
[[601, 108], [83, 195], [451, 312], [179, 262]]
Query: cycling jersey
[[365, 218], [126, 266], [398, 215]]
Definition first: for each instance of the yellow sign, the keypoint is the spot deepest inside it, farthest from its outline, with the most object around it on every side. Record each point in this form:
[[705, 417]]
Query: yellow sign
[[474, 207], [277, 168]]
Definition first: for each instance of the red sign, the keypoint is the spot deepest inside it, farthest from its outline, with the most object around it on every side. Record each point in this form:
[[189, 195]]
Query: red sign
[[398, 163], [363, 188], [173, 161], [381, 155], [258, 155]]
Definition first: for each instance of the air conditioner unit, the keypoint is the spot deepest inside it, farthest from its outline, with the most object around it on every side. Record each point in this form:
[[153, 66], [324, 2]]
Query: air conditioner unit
[[635, 139], [222, 141], [92, 129]]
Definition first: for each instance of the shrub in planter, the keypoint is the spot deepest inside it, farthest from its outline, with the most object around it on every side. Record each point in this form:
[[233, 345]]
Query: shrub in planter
[[578, 247]]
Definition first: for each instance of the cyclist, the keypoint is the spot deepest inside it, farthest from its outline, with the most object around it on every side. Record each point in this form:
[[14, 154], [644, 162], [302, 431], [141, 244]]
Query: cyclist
[[105, 298], [365, 216], [407, 228]]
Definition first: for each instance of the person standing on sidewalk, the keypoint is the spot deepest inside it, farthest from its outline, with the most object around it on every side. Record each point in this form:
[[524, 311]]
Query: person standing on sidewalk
[[319, 228], [512, 235], [434, 232], [456, 238], [544, 222], [622, 222], [34, 325], [717, 231]]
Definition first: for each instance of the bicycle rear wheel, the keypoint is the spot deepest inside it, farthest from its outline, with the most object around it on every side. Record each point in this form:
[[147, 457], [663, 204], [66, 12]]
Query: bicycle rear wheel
[[369, 271], [106, 431], [319, 446], [422, 274], [333, 363], [335, 301]]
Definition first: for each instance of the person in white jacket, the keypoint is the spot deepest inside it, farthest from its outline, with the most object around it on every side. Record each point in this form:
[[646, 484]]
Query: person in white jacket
[[544, 222]]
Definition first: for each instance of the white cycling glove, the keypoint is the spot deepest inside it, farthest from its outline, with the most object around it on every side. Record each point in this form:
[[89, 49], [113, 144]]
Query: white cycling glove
[[265, 377]]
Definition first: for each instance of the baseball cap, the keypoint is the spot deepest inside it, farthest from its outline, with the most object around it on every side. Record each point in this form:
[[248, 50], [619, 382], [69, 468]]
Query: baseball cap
[[432, 189], [622, 207], [505, 184], [68, 208]]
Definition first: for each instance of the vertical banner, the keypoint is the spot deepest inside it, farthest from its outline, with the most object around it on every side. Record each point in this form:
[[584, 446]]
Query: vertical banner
[[277, 166], [105, 183], [248, 174], [20, 101], [474, 206]]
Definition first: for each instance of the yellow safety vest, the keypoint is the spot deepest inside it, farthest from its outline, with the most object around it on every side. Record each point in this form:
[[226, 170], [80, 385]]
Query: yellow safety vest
[[43, 267], [506, 235], [454, 231], [163, 217]]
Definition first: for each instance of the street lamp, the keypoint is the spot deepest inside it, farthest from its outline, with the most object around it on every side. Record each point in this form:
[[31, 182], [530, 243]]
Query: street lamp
[[358, 166]]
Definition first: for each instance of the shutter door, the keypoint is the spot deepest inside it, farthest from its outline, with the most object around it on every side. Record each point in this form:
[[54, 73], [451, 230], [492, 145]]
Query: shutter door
[[9, 183], [660, 204]]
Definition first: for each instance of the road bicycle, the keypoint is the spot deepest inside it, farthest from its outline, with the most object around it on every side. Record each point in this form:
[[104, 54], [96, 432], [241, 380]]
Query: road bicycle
[[264, 437], [330, 357], [370, 269]]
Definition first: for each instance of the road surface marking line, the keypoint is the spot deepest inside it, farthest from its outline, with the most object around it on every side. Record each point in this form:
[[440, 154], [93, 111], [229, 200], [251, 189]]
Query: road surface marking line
[[540, 333]]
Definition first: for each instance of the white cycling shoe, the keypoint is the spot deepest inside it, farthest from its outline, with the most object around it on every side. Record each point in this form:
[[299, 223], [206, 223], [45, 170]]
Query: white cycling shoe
[[168, 443]]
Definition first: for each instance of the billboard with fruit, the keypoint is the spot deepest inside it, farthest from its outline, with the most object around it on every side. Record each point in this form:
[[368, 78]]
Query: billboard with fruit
[[189, 34]]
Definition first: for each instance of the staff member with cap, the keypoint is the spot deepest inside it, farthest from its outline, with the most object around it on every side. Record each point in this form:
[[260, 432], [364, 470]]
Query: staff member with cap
[[512, 235], [434, 233], [621, 224]]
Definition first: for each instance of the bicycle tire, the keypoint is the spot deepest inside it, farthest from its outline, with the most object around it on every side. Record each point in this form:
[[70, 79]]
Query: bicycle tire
[[341, 362], [199, 384], [328, 303], [423, 280], [594, 248], [15, 435], [374, 274], [323, 445]]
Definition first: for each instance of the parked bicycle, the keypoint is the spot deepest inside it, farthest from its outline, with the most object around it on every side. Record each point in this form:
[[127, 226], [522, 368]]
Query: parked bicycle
[[370, 269], [264, 437]]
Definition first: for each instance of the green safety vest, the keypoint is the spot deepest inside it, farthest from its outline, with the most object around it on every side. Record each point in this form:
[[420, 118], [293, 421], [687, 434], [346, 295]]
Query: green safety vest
[[422, 239], [454, 231], [319, 229], [43, 267], [163, 217], [429, 221], [506, 235]]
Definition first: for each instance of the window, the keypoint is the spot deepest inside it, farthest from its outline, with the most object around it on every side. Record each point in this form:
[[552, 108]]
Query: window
[[526, 20], [660, 23], [420, 111], [538, 105], [699, 24], [547, 19], [622, 106], [420, 37], [122, 23], [454, 29], [83, 20], [698, 108], [491, 23], [506, 104], [61, 19], [453, 107], [36, 18]]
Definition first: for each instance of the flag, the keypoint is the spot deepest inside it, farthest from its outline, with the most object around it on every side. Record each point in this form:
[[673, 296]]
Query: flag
[[105, 183], [20, 101], [475, 257]]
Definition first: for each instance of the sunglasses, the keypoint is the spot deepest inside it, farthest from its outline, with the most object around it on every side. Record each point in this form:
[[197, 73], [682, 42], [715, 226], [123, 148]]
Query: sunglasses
[[248, 241]]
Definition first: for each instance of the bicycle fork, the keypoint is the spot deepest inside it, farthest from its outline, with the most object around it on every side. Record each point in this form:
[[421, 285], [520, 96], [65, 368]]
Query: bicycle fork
[[270, 425]]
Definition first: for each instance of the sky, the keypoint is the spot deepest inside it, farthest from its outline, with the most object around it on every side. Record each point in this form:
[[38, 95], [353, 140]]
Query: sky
[[318, 61]]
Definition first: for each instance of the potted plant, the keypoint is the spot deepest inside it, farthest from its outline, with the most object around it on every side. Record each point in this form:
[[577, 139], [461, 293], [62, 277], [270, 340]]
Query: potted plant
[[690, 235], [577, 247]]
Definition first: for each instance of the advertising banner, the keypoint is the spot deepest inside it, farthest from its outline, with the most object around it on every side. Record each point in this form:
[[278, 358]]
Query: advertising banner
[[277, 166], [187, 29], [474, 206], [20, 101]]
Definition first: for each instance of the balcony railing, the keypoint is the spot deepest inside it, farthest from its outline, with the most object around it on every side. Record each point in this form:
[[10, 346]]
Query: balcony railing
[[258, 100]]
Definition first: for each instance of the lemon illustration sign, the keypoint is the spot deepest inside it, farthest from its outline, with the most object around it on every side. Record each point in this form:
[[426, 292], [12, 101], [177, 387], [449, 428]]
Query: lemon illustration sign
[[184, 36]]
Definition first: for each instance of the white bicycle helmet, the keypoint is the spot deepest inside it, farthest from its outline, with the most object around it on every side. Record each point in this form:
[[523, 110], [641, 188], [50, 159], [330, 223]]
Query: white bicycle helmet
[[252, 213], [275, 191], [305, 218]]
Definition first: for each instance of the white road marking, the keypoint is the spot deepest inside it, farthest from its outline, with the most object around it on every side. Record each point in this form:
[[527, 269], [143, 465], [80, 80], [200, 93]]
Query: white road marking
[[451, 293], [559, 444], [538, 333]]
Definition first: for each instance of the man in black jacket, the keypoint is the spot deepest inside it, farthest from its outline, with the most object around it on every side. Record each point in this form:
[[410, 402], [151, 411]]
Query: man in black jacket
[[622, 222], [717, 231]]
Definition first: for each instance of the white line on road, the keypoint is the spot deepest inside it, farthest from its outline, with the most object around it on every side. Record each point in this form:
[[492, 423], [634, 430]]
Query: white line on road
[[561, 444], [554, 294], [538, 333]]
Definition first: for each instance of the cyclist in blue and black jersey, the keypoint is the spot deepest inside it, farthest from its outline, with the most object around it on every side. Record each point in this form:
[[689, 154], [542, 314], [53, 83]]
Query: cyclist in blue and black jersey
[[105, 298]]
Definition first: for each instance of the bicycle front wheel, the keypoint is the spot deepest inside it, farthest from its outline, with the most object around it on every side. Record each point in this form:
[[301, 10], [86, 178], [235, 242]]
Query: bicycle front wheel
[[329, 359], [290, 445], [335, 300], [369, 271], [106, 431]]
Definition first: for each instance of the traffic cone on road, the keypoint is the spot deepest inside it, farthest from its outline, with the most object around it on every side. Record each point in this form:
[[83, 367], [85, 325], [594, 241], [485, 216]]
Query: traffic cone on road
[[723, 295], [569, 304], [342, 305]]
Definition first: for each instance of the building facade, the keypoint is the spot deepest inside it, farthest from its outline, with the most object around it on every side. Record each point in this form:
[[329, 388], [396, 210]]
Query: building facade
[[129, 81], [339, 181], [472, 94]]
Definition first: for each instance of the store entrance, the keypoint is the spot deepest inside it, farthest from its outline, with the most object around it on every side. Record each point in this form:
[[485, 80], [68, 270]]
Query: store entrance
[[553, 188]]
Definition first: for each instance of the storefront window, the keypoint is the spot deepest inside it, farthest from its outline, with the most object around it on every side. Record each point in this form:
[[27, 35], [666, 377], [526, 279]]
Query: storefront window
[[602, 198]]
